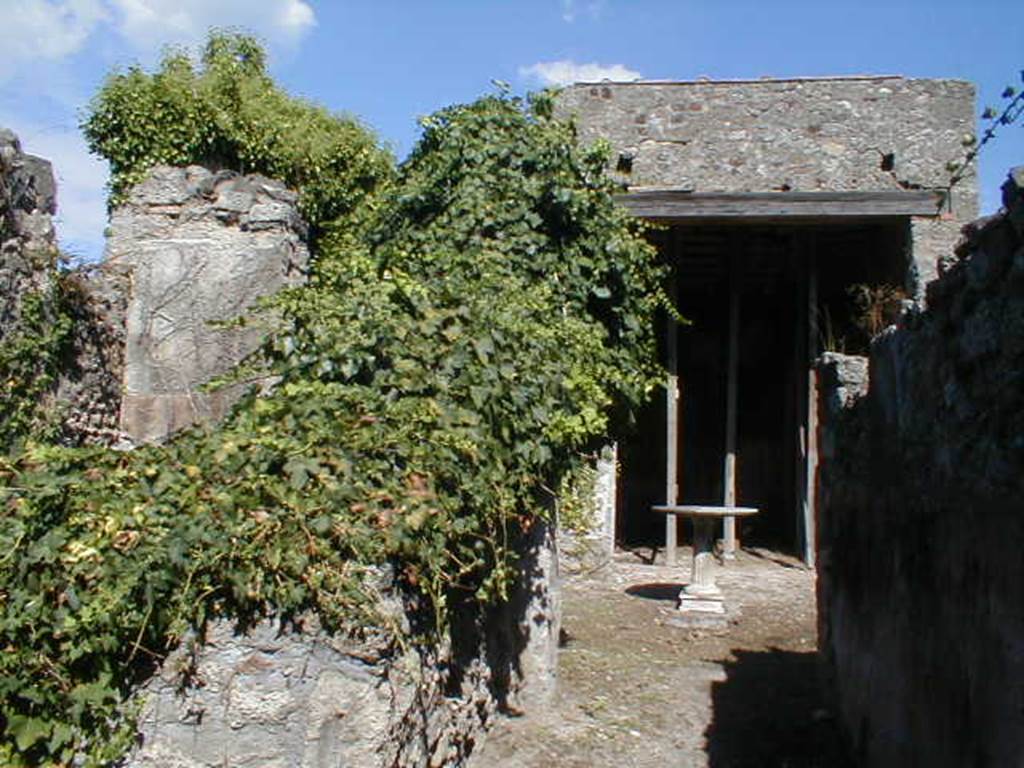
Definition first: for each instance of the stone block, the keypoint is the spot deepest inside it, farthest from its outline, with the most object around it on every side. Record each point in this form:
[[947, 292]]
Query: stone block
[[292, 695], [195, 264]]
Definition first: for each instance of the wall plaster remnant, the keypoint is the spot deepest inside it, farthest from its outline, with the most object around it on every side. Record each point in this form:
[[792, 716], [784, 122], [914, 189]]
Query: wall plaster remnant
[[199, 247]]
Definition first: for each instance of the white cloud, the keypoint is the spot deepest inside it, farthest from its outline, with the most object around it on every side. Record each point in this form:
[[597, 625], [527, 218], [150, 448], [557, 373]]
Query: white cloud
[[34, 31], [571, 10], [148, 23], [566, 72], [45, 30], [297, 17]]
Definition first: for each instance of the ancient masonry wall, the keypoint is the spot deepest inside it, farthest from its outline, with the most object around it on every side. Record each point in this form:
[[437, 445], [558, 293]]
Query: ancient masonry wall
[[198, 247], [191, 246], [295, 697], [807, 135], [87, 394], [28, 199], [921, 579]]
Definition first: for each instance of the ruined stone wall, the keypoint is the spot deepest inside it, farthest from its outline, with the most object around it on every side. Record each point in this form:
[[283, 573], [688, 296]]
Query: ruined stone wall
[[587, 545], [28, 244], [86, 398], [28, 197], [921, 578], [295, 697], [807, 135], [191, 246], [198, 247], [89, 389]]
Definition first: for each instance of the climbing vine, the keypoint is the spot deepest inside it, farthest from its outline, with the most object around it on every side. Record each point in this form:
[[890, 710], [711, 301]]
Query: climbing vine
[[1010, 113], [226, 112], [463, 339], [33, 349]]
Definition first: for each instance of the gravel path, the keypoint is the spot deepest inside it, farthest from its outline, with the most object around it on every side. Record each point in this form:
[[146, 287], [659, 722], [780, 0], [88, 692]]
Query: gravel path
[[636, 691]]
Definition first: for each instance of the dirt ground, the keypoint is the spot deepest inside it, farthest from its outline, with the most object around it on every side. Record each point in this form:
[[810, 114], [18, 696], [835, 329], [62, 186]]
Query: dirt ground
[[634, 690]]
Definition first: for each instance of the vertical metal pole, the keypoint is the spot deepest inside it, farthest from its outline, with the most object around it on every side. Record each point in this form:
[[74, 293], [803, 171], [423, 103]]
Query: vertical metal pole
[[671, 430], [811, 483], [729, 471]]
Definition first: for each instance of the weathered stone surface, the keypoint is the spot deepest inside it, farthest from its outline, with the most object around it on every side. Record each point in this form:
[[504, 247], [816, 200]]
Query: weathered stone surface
[[591, 549], [89, 387], [921, 523], [806, 135], [199, 247], [281, 696], [28, 246], [801, 134], [536, 618], [296, 697]]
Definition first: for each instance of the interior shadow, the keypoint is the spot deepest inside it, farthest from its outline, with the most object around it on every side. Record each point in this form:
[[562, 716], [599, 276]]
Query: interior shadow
[[770, 712], [667, 592]]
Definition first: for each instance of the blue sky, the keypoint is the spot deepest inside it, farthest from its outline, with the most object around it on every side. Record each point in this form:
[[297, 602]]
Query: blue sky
[[389, 62]]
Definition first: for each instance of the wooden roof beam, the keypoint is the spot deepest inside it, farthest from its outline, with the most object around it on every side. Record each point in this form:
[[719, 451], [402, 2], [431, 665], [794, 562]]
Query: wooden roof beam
[[675, 205]]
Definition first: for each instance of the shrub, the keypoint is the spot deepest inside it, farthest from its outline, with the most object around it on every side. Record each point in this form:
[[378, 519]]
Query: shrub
[[228, 113]]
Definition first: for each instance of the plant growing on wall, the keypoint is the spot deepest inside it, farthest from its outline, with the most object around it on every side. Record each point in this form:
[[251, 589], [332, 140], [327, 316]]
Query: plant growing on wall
[[33, 346], [461, 341], [1012, 110], [228, 113]]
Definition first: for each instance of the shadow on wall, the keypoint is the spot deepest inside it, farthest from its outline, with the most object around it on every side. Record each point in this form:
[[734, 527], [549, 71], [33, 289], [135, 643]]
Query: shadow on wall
[[769, 713]]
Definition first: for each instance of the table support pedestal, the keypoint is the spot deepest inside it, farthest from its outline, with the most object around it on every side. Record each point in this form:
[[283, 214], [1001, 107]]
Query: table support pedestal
[[702, 595]]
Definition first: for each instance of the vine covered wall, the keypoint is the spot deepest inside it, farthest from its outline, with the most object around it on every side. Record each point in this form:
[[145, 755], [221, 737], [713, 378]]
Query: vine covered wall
[[474, 323]]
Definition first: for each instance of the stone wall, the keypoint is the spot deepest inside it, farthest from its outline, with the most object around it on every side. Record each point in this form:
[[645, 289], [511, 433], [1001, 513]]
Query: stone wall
[[807, 135], [294, 697], [87, 395], [89, 389], [198, 247], [28, 244], [587, 545], [921, 578]]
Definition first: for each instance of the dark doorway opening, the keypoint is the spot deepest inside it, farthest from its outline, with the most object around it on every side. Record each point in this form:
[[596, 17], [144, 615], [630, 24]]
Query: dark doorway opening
[[802, 289]]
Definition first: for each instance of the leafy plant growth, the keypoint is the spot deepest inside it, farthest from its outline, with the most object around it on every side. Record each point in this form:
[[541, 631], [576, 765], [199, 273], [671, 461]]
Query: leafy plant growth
[[1010, 113], [462, 341], [33, 347], [228, 113]]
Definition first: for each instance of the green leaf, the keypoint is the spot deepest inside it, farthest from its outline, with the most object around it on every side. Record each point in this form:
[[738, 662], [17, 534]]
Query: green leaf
[[27, 731]]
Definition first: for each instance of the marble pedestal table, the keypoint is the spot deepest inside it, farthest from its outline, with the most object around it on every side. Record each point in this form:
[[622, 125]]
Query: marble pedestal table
[[702, 595]]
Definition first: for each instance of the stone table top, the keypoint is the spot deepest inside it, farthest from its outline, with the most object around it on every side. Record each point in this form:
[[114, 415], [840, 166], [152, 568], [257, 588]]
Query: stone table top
[[701, 510]]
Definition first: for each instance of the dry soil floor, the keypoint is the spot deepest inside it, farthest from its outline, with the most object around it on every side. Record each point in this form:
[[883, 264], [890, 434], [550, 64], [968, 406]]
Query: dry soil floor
[[636, 691]]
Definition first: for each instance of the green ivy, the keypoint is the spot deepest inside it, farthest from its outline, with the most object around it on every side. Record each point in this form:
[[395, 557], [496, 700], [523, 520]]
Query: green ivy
[[227, 113], [33, 349], [463, 341]]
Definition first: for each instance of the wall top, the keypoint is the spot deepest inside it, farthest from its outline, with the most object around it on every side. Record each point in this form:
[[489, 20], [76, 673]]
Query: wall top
[[763, 79], [849, 133]]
